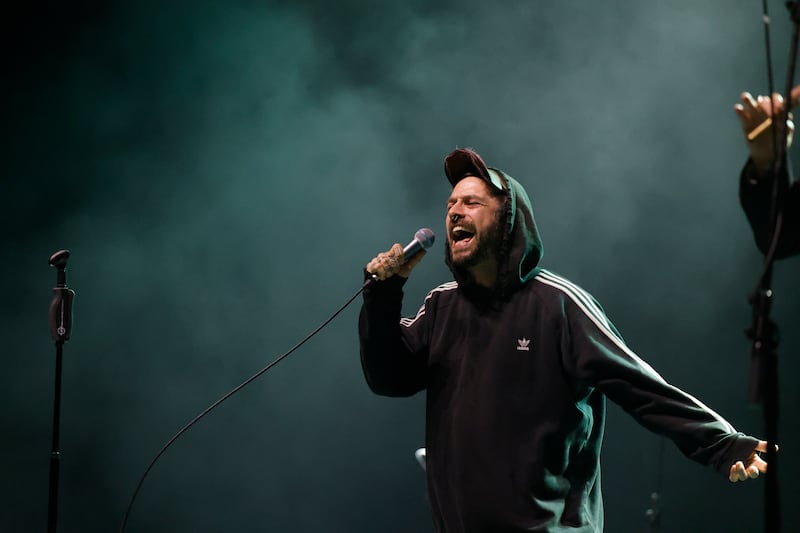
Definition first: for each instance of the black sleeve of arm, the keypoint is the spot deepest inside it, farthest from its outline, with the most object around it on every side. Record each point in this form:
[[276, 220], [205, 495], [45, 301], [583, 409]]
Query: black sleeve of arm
[[755, 195], [598, 357], [390, 367]]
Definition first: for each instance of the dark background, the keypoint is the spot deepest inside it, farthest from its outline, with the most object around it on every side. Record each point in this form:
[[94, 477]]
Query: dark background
[[221, 171]]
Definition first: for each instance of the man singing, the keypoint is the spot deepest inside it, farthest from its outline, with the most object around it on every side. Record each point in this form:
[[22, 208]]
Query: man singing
[[517, 363]]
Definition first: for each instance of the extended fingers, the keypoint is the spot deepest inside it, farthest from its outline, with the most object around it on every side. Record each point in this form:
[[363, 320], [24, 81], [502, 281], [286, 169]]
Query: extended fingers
[[748, 110], [754, 115], [748, 102], [754, 466], [759, 108], [776, 106], [738, 472]]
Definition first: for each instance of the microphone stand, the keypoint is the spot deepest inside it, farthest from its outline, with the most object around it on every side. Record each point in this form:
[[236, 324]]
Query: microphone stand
[[60, 320], [764, 332]]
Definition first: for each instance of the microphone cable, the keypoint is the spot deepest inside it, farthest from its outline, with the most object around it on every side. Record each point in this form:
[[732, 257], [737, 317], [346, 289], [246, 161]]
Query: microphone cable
[[225, 397]]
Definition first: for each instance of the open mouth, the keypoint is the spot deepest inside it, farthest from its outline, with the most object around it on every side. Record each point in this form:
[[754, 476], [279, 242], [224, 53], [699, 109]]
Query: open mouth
[[461, 236]]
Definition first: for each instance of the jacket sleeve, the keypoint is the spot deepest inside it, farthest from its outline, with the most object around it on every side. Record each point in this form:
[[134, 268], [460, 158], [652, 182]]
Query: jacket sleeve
[[393, 350], [597, 357], [755, 195]]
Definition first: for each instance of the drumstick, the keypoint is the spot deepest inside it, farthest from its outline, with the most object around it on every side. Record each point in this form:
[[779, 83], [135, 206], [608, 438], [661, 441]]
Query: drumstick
[[755, 132]]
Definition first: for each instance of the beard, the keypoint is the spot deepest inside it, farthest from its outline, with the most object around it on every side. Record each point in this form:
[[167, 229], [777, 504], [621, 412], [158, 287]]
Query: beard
[[487, 247]]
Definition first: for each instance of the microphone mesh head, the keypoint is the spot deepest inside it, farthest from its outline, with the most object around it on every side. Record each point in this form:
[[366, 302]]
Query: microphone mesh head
[[425, 237]]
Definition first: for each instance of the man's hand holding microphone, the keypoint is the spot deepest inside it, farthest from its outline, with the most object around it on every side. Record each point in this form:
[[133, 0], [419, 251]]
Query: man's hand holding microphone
[[398, 260]]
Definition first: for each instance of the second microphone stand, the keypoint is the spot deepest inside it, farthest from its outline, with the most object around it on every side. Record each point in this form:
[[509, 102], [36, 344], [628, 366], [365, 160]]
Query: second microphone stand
[[60, 327]]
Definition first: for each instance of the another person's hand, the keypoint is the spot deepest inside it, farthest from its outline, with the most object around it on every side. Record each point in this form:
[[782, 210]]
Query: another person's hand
[[755, 116], [752, 467], [387, 264]]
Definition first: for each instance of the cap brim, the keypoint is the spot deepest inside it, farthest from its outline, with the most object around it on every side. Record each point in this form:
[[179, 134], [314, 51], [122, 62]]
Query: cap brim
[[464, 162]]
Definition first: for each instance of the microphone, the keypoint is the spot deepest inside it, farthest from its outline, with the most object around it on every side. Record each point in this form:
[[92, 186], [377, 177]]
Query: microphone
[[423, 239]]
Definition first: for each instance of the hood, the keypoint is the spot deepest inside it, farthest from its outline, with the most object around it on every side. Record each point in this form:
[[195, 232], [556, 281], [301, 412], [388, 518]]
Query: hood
[[521, 247]]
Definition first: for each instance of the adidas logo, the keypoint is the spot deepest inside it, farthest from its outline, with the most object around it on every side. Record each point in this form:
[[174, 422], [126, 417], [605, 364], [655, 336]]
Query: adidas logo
[[523, 344]]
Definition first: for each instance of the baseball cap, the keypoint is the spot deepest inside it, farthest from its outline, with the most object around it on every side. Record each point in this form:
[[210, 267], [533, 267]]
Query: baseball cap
[[464, 162]]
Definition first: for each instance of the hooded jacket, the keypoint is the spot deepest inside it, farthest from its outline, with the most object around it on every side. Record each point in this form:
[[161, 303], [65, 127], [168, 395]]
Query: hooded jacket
[[516, 390]]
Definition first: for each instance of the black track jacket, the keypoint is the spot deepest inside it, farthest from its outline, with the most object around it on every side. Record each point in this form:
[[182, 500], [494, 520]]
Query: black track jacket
[[516, 394]]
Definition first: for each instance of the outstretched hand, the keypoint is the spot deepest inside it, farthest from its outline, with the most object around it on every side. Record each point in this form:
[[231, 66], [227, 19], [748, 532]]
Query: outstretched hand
[[755, 116], [387, 264], [750, 468]]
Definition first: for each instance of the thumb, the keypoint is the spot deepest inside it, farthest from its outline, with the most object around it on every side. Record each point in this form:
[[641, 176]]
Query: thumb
[[762, 446]]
